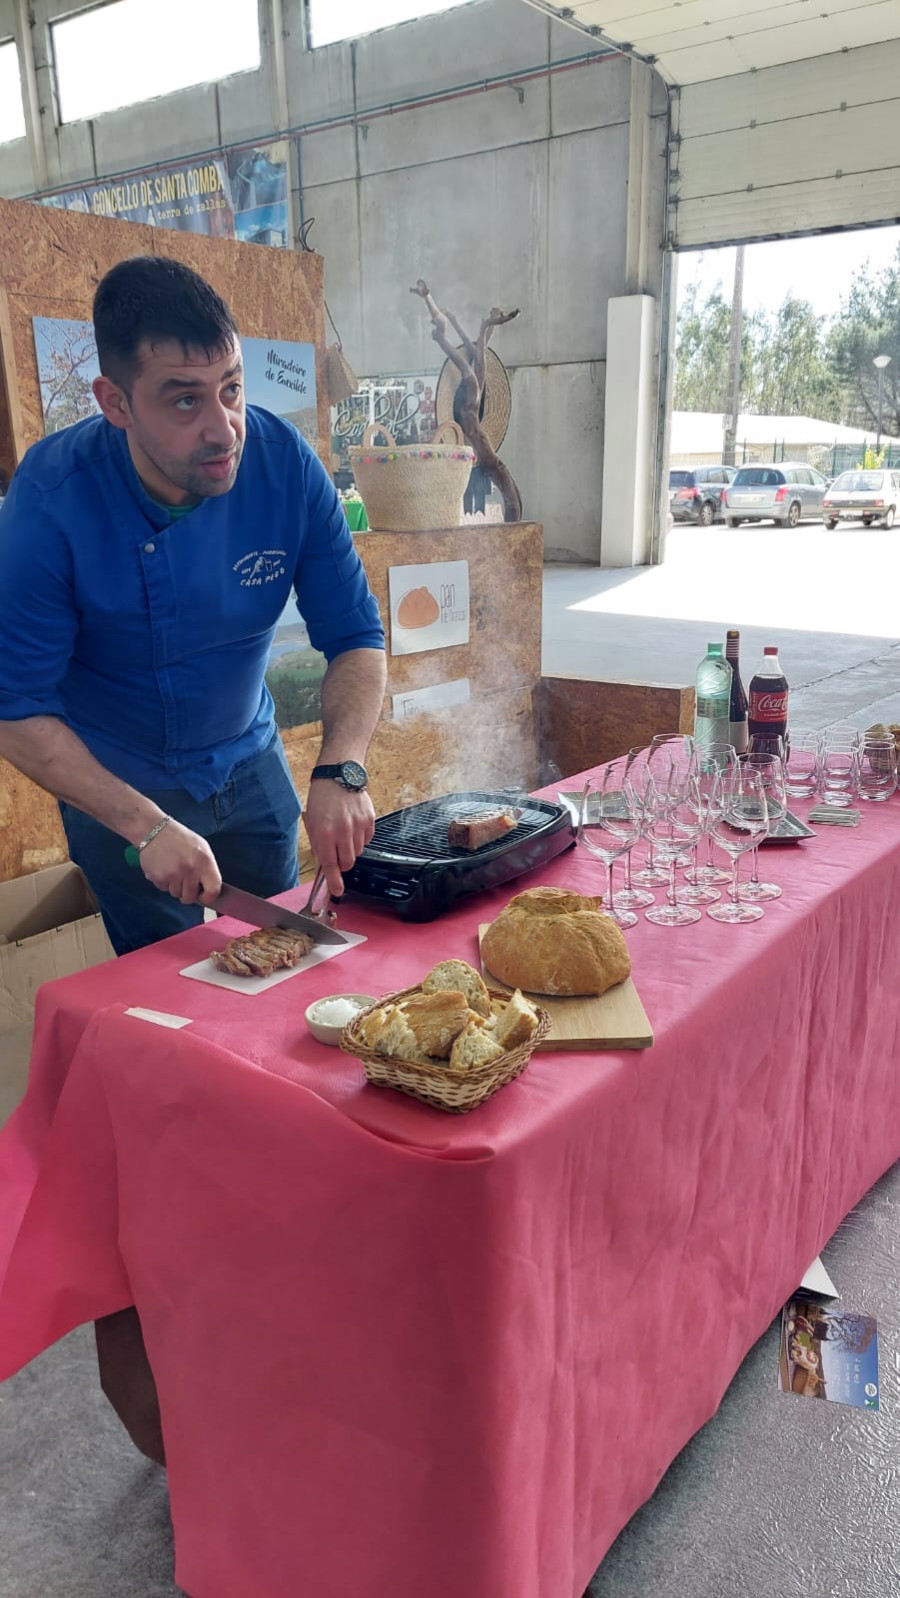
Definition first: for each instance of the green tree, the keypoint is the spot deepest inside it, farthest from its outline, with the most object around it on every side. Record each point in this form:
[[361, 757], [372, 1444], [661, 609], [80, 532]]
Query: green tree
[[701, 351], [868, 324], [793, 374], [785, 367]]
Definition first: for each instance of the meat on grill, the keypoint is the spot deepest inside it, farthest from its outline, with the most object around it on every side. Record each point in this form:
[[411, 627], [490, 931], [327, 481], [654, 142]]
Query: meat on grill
[[259, 953], [473, 832]]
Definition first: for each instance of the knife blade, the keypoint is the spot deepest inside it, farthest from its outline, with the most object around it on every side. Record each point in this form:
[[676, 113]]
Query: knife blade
[[263, 913]]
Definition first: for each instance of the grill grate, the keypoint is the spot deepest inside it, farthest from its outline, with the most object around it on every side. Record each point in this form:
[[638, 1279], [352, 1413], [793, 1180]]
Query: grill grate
[[420, 833]]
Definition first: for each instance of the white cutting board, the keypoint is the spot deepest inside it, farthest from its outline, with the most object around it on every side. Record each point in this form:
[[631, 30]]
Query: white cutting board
[[205, 971], [612, 1020]]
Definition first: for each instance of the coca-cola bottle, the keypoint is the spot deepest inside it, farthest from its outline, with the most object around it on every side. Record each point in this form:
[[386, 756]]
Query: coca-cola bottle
[[768, 715], [739, 732]]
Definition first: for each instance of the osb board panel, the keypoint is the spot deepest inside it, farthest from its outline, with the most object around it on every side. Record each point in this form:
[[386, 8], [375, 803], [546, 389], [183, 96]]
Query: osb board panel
[[51, 262], [29, 826], [583, 722], [488, 743], [11, 433], [505, 596]]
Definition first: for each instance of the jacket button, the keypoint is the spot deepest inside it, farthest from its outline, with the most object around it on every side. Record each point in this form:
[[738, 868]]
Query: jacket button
[[149, 548]]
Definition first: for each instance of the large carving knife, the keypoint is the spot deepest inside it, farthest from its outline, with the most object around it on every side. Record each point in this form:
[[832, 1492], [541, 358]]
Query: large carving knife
[[263, 913]]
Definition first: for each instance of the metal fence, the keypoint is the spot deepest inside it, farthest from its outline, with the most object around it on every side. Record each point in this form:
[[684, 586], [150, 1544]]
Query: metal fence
[[830, 459], [842, 457]]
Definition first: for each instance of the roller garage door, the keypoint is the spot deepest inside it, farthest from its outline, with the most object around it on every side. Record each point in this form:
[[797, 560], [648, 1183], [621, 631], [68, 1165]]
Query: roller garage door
[[785, 119]]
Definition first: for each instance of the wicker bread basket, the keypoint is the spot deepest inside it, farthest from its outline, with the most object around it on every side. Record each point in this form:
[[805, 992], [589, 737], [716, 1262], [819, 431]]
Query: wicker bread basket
[[409, 488], [436, 1084]]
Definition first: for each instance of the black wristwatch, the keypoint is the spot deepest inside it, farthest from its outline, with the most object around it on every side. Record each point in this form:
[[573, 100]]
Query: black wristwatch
[[349, 773]]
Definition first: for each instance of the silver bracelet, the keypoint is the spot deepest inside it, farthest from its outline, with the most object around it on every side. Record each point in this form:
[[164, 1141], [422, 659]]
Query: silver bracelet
[[153, 833]]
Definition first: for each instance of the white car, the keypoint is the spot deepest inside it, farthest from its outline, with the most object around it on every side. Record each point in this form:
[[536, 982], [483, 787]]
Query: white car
[[863, 496]]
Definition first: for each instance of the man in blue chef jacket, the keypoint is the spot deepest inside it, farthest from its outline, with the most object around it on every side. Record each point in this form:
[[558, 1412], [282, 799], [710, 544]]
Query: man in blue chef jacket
[[146, 556]]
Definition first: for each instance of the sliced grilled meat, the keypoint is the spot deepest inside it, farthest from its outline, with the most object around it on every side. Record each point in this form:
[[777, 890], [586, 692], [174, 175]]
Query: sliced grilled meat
[[260, 953]]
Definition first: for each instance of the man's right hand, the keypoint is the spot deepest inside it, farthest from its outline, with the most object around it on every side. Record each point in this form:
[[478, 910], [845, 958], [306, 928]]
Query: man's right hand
[[181, 863]]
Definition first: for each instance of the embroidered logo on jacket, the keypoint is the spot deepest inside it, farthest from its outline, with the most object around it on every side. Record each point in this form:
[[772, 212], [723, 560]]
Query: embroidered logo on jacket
[[260, 566]]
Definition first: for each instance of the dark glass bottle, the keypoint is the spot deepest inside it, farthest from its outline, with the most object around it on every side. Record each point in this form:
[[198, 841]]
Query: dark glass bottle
[[739, 732]]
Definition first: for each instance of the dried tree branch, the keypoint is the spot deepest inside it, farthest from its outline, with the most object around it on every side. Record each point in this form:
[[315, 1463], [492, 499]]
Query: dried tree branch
[[470, 363]]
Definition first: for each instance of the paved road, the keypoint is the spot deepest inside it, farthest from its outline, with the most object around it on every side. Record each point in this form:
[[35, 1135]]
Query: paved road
[[830, 600]]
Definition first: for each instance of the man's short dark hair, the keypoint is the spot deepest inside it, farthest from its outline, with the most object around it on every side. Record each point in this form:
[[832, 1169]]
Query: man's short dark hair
[[153, 298]]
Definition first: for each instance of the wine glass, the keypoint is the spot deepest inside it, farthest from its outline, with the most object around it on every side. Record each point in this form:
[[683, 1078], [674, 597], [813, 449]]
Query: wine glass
[[678, 753], [771, 772], [637, 774], [674, 821], [741, 819], [608, 825], [713, 760]]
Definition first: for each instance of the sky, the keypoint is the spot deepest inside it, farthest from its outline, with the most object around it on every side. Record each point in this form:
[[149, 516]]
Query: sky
[[816, 269], [336, 19]]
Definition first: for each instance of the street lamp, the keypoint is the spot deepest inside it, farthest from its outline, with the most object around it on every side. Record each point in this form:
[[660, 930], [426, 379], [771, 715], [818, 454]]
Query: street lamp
[[881, 361]]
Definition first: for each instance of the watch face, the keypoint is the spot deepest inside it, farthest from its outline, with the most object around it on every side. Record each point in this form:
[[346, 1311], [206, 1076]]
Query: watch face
[[353, 775]]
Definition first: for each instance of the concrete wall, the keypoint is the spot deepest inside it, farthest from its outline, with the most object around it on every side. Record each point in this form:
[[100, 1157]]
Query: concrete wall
[[494, 192]]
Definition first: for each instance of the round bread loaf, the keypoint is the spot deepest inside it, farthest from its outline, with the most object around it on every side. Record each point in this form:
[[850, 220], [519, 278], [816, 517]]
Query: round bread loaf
[[548, 940]]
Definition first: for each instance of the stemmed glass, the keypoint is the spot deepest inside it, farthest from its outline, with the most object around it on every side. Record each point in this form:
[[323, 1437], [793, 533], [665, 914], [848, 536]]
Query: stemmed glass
[[712, 761], [637, 774], [608, 825], [673, 821], [771, 772], [741, 819]]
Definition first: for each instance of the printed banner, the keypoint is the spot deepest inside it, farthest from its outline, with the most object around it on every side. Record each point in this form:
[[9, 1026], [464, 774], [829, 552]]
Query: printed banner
[[403, 402], [67, 365], [242, 194], [829, 1353], [281, 377]]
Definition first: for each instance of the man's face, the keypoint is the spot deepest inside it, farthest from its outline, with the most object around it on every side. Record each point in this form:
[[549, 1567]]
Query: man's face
[[184, 418]]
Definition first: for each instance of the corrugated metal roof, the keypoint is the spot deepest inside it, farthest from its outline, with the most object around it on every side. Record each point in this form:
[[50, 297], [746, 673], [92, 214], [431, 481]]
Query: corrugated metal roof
[[694, 41]]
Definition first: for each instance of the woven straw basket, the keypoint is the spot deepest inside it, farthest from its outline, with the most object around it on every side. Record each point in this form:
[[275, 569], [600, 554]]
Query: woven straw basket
[[410, 488], [435, 1084]]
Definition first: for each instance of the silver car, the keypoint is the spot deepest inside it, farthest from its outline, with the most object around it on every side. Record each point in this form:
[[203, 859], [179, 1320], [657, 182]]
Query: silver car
[[787, 494], [863, 496]]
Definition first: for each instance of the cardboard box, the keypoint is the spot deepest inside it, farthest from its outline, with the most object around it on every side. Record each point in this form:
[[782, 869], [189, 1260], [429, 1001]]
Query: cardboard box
[[15, 1053], [49, 927]]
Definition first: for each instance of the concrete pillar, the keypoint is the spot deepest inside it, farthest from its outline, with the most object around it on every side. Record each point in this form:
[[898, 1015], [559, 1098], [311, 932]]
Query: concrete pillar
[[629, 431]]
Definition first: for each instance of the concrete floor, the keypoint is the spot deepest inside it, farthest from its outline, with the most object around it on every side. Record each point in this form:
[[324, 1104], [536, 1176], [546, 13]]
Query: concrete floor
[[776, 1497], [830, 600]]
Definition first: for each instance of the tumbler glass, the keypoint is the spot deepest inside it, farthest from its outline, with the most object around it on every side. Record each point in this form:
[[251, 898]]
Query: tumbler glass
[[839, 769], [877, 767], [802, 759]]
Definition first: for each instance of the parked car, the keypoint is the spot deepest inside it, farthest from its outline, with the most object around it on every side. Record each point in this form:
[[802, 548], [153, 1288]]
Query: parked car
[[786, 494], [695, 492], [866, 496]]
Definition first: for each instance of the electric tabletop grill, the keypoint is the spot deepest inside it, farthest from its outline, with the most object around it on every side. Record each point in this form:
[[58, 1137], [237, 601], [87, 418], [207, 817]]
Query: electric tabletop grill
[[410, 866]]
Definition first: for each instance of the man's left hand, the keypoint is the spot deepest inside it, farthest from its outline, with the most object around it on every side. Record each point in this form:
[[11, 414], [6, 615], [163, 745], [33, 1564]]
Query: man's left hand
[[339, 824]]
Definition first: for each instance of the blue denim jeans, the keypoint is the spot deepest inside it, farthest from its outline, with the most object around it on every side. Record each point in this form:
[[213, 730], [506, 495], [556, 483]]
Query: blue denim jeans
[[250, 825]]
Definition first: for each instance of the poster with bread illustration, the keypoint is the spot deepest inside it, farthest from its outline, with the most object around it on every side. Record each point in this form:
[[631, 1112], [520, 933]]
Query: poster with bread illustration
[[429, 606]]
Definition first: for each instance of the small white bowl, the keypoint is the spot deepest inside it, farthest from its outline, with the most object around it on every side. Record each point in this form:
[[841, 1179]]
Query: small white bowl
[[330, 1031]]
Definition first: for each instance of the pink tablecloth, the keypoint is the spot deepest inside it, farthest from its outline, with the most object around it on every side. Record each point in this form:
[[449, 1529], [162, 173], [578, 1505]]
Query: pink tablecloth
[[401, 1352]]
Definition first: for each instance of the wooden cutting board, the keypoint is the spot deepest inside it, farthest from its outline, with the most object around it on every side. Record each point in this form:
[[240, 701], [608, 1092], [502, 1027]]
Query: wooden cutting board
[[612, 1020]]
